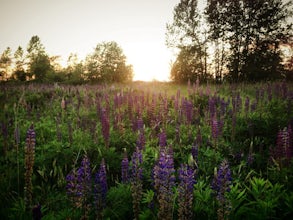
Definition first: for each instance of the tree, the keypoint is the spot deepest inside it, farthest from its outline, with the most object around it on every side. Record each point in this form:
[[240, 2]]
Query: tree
[[19, 71], [75, 70], [39, 61], [187, 66], [5, 64], [251, 29], [108, 64], [186, 33]]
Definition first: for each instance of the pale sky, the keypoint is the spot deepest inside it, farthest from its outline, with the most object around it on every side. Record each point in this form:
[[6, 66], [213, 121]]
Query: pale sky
[[77, 26]]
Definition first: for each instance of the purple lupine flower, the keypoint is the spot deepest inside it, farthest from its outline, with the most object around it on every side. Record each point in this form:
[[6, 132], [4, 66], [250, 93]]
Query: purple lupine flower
[[212, 107], [105, 127], [136, 160], [84, 175], [101, 183], [284, 149], [71, 183], [125, 169], [186, 177], [140, 124], [247, 105], [130, 107], [250, 159], [162, 139], [188, 110], [136, 181], [222, 180], [215, 128], [221, 184], [29, 163], [164, 181], [140, 140], [79, 185]]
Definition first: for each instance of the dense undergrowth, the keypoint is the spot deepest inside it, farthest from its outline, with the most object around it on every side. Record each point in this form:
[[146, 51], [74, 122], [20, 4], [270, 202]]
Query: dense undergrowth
[[146, 151]]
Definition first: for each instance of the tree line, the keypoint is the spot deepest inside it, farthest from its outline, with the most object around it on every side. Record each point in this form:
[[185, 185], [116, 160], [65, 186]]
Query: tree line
[[229, 40], [107, 63], [232, 40]]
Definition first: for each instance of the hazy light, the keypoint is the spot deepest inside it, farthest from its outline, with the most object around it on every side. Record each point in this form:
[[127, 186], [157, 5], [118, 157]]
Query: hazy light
[[74, 26]]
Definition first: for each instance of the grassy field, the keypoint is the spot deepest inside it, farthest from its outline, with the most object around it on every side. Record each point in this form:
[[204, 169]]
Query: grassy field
[[146, 151]]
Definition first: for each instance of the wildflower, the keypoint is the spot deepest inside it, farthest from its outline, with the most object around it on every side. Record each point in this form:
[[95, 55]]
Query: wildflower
[[247, 105], [136, 181], [101, 186], [141, 140], [79, 185], [185, 191], [162, 139], [125, 169], [100, 190], [250, 159], [215, 128], [105, 127], [221, 184], [284, 148], [188, 110], [164, 181], [29, 163], [212, 107], [139, 124]]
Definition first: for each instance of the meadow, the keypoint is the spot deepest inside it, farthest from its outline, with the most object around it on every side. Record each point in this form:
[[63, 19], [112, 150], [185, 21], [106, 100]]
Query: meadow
[[146, 151]]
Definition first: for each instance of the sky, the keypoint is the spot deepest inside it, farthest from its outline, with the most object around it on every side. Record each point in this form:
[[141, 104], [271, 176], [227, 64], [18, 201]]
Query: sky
[[77, 26]]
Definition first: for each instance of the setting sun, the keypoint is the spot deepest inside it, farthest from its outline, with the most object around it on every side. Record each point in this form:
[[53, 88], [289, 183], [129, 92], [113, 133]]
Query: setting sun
[[151, 61]]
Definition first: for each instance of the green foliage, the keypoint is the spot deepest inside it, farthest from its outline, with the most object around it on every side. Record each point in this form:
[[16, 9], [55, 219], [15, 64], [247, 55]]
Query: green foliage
[[204, 205], [237, 198], [263, 198], [119, 204]]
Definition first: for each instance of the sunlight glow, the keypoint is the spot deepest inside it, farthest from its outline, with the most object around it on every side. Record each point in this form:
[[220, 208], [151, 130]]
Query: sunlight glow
[[151, 61]]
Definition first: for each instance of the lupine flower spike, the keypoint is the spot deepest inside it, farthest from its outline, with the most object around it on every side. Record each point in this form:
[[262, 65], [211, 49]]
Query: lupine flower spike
[[221, 184], [136, 181], [101, 188], [29, 163], [79, 186], [185, 191], [125, 169], [164, 181]]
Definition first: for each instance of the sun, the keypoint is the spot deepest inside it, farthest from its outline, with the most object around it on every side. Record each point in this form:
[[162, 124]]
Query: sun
[[150, 61]]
